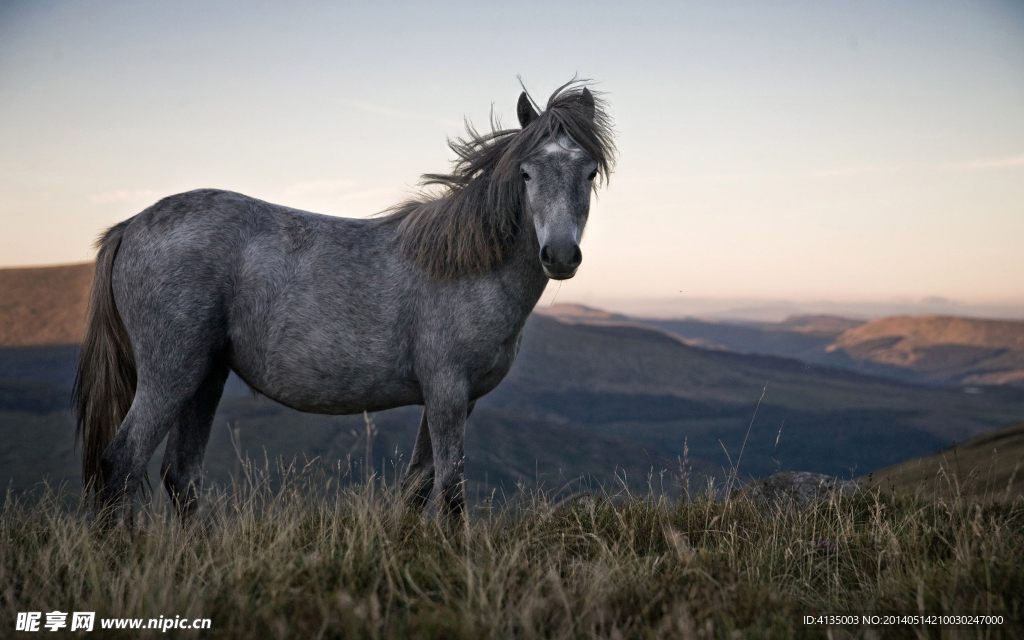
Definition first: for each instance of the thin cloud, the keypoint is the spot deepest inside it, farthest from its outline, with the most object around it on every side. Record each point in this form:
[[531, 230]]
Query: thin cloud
[[382, 110], [864, 170], [868, 169], [321, 187], [337, 191], [974, 165], [403, 114], [366, 194], [989, 163], [123, 195]]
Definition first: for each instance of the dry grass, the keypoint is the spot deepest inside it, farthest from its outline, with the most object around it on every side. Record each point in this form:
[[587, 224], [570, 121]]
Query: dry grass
[[306, 558], [988, 466]]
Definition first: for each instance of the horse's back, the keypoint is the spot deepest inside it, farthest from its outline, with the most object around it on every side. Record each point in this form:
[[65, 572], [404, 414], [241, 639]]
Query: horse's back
[[190, 248], [309, 309]]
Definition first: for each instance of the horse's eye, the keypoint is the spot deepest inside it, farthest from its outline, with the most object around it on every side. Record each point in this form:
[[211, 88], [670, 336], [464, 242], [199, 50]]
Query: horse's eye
[[526, 176], [593, 174]]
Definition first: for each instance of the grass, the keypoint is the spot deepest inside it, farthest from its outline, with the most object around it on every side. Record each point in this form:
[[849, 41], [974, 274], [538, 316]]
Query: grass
[[305, 557], [991, 464]]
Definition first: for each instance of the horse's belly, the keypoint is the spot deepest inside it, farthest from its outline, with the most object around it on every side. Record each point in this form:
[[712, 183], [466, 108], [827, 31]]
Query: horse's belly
[[343, 397], [347, 401], [331, 385]]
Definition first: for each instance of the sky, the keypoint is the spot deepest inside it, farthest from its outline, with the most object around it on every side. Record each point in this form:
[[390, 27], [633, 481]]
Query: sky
[[829, 153]]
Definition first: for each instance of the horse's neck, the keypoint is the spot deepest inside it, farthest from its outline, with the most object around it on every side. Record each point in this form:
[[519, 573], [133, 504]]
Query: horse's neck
[[521, 275]]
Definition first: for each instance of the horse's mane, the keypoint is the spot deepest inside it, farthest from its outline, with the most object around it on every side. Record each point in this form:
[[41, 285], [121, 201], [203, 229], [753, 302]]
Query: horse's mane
[[471, 225]]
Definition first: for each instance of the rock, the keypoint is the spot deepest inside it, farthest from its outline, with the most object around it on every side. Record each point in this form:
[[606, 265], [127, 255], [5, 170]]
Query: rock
[[796, 489]]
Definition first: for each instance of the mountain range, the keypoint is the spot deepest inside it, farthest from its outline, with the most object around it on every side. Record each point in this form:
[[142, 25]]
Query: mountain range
[[596, 395], [942, 350]]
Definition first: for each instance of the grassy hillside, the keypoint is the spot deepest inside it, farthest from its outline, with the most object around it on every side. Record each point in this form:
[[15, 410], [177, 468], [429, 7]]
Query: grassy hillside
[[44, 305], [990, 465], [302, 561]]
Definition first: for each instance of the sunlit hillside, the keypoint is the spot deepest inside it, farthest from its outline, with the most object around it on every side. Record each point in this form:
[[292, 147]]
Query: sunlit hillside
[[44, 305], [941, 348]]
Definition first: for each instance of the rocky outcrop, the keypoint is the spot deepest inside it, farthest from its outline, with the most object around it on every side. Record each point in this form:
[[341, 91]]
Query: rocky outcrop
[[796, 489]]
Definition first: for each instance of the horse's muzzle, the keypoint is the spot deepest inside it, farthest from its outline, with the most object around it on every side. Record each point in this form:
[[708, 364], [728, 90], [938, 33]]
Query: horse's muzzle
[[560, 262], [559, 274]]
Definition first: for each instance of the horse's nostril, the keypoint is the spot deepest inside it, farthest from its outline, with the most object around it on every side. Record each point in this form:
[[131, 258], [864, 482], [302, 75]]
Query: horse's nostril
[[545, 255], [577, 256]]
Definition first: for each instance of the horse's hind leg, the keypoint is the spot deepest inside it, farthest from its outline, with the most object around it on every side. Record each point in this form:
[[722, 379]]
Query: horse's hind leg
[[182, 467], [124, 461], [164, 398]]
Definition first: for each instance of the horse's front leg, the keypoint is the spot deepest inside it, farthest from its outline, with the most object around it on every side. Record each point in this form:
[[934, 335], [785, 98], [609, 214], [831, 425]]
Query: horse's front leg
[[419, 475], [447, 407]]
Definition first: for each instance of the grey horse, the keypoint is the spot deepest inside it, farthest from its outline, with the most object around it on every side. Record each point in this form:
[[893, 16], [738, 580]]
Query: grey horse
[[424, 304]]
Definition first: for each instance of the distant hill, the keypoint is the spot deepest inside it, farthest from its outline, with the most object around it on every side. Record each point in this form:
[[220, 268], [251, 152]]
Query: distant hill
[[989, 465], [44, 305], [941, 348], [825, 325], [581, 313], [924, 349]]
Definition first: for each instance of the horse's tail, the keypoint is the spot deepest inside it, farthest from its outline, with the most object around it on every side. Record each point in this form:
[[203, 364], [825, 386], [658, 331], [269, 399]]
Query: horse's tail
[[105, 381]]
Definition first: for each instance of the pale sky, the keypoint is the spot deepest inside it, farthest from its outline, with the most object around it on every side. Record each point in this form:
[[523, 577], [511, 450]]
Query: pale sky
[[843, 151]]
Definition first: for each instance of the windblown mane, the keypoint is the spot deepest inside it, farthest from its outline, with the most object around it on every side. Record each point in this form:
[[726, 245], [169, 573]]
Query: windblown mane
[[471, 226]]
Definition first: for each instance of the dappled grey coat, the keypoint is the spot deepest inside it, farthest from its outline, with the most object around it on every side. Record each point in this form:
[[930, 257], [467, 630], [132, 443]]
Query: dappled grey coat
[[423, 305]]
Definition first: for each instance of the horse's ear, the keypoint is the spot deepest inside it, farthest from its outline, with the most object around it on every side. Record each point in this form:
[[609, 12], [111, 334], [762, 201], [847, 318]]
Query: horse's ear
[[586, 100], [525, 110]]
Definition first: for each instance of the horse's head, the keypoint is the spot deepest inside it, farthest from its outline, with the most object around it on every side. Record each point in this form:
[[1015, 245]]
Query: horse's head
[[512, 183], [557, 180]]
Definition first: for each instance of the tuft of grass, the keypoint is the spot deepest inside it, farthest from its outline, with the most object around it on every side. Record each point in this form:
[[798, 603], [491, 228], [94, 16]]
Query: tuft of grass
[[305, 557]]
